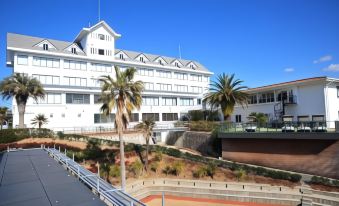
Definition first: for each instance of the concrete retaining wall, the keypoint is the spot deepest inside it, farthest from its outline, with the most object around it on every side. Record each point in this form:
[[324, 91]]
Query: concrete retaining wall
[[245, 192], [199, 141]]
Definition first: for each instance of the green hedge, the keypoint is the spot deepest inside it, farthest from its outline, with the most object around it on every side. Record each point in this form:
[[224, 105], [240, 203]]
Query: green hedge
[[13, 135], [206, 126], [324, 181]]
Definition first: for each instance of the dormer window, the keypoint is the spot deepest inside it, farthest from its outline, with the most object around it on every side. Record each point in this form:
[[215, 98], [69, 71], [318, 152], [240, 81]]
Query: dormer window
[[121, 56], [142, 59], [74, 50], [176, 64], [160, 62], [101, 37], [192, 66], [45, 47]]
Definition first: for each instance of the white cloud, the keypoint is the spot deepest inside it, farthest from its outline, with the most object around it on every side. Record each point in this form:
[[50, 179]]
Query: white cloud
[[332, 68], [289, 69], [323, 59]]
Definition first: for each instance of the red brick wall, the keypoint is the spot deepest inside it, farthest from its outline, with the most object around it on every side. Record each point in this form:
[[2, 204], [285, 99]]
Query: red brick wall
[[319, 157]]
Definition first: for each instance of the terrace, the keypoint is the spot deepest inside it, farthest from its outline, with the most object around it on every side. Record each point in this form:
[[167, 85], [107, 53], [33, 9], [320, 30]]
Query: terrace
[[284, 130], [47, 177]]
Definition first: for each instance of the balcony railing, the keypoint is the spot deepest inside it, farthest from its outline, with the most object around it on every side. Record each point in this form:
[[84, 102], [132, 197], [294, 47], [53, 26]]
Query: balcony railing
[[310, 126]]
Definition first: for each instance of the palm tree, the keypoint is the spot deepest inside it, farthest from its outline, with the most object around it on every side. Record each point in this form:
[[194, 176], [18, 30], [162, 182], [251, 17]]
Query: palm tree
[[39, 120], [21, 87], [225, 92], [124, 95], [258, 117], [147, 129], [104, 170], [3, 115]]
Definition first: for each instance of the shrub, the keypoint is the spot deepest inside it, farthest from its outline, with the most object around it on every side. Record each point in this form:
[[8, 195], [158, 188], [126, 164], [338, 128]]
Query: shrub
[[136, 168], [14, 135], [210, 169], [114, 171], [93, 150], [240, 174], [60, 134], [154, 166], [200, 172], [167, 170], [158, 156], [177, 168], [196, 115], [206, 126]]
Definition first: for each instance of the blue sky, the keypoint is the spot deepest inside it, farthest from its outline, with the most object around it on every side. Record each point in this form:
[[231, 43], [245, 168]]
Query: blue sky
[[261, 41]]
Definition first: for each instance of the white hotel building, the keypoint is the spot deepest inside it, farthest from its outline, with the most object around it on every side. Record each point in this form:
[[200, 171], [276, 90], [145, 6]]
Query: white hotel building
[[312, 99], [69, 72]]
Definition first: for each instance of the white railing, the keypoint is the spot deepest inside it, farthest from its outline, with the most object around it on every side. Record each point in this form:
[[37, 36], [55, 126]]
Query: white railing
[[110, 194]]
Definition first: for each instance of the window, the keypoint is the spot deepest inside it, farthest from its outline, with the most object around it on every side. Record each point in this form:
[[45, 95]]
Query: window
[[186, 102], [150, 116], [237, 118], [149, 86], [101, 118], [22, 59], [195, 89], [169, 101], [75, 81], [45, 79], [101, 51], [141, 59], [318, 118], [145, 72], [164, 74], [169, 116], [121, 56], [266, 97], [77, 98], [46, 62], [74, 50], [101, 67], [150, 101], [252, 99], [50, 98], [101, 36], [199, 101], [205, 78], [181, 76], [192, 66], [45, 46], [338, 91], [176, 64], [180, 88], [76, 65], [97, 98], [134, 117], [196, 77], [160, 62], [164, 87]]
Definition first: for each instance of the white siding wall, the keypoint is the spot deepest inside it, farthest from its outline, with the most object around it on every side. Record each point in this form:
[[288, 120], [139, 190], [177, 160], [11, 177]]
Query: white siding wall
[[71, 111]]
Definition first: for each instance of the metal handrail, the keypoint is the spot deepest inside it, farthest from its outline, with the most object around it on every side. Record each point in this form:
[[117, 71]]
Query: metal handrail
[[114, 195]]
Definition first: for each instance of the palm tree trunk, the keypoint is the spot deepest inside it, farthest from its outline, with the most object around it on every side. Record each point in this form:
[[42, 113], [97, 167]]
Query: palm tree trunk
[[119, 126], [21, 109], [122, 161], [147, 148]]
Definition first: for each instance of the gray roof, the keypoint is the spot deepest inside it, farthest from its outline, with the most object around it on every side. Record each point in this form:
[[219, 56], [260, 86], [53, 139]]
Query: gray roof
[[31, 177], [29, 42]]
